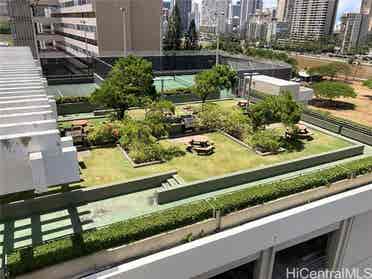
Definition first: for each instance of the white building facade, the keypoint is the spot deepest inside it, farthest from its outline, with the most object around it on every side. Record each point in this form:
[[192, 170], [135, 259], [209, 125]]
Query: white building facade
[[33, 155]]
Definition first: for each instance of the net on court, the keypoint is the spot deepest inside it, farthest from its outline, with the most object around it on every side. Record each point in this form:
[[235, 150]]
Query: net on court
[[173, 82]]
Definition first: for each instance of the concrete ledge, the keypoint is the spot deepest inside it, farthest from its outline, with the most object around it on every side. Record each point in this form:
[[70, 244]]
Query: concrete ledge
[[238, 178], [107, 258], [58, 201], [135, 165]]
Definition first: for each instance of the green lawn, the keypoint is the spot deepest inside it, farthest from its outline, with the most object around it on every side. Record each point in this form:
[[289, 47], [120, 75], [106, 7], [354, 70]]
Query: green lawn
[[108, 165]]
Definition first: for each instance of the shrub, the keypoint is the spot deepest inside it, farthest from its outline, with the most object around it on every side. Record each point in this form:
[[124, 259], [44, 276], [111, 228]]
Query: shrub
[[237, 124], [171, 152], [268, 192], [72, 99], [210, 117], [276, 109], [332, 89], [368, 83], [114, 235], [104, 133], [178, 91], [143, 153], [266, 140], [57, 251]]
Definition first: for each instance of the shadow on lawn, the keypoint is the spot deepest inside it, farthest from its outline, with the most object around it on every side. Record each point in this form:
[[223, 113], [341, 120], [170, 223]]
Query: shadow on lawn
[[332, 104], [368, 97]]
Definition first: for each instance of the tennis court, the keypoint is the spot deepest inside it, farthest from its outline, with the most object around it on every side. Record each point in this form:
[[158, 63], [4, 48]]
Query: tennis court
[[82, 90], [173, 82]]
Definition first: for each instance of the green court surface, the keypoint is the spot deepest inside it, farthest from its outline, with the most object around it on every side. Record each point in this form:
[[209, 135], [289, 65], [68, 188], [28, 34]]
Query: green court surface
[[173, 82], [81, 90]]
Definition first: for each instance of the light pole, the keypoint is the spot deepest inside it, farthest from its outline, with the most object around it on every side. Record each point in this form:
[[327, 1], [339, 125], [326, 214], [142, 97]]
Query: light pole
[[124, 14], [83, 22], [218, 37]]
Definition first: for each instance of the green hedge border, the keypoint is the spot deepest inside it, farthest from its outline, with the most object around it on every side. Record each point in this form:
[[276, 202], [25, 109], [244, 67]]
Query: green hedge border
[[32, 258]]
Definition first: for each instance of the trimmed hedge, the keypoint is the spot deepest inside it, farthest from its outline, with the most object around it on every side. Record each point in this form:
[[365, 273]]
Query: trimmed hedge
[[268, 192], [53, 252], [31, 258], [72, 100], [187, 90]]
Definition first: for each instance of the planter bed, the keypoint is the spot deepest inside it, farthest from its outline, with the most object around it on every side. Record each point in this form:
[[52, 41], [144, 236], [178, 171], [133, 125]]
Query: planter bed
[[134, 164]]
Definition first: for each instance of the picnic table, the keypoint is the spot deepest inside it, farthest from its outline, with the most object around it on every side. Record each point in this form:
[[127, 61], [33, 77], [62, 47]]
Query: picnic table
[[201, 145], [243, 104]]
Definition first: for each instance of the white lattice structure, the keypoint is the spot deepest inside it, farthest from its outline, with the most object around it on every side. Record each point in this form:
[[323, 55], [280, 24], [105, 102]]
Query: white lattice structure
[[33, 156]]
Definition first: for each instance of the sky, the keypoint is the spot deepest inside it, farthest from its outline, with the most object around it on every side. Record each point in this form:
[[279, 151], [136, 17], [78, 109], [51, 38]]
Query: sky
[[343, 5]]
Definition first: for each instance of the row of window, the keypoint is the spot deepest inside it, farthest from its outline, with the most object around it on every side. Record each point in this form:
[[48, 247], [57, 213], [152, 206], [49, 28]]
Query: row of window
[[79, 14], [75, 48], [78, 38], [80, 27], [74, 3]]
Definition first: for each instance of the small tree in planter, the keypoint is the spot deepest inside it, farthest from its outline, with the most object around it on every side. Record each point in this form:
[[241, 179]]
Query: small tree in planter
[[130, 83], [266, 141]]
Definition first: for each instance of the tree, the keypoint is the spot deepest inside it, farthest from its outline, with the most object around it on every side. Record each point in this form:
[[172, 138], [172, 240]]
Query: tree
[[205, 84], [332, 69], [5, 28], [130, 83], [276, 109], [173, 37], [192, 38], [331, 90], [220, 77]]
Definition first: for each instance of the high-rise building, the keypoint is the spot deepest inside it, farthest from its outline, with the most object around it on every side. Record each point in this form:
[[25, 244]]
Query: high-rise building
[[366, 8], [312, 19], [195, 14], [184, 7], [213, 13], [248, 8], [81, 28], [284, 10], [4, 13], [354, 29]]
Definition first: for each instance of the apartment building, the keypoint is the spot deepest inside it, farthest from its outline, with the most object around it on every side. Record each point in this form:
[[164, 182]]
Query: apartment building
[[4, 13], [284, 10], [214, 13], [366, 8], [354, 29], [33, 155], [248, 8], [312, 19], [88, 27], [184, 7]]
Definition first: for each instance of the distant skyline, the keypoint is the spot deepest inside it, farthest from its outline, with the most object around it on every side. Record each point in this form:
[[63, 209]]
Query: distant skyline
[[343, 6]]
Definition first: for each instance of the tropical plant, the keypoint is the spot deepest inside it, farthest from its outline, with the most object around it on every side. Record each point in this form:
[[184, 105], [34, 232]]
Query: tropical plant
[[331, 90], [266, 140], [220, 77], [129, 83]]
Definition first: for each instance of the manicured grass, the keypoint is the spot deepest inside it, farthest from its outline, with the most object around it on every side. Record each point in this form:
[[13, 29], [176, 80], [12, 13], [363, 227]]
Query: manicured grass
[[107, 165]]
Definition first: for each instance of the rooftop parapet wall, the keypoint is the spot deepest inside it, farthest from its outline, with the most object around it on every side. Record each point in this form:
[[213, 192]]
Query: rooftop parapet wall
[[33, 155]]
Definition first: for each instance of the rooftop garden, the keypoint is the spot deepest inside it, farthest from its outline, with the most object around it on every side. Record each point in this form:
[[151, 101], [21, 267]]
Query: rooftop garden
[[161, 136]]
